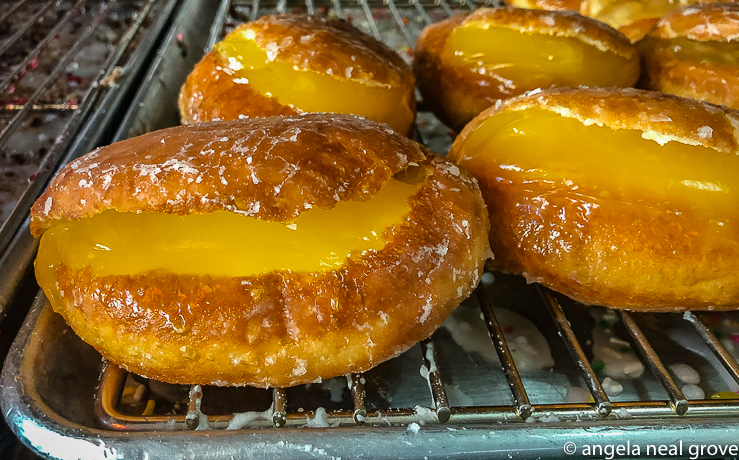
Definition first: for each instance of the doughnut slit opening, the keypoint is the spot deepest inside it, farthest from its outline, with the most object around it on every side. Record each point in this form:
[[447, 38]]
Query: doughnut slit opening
[[535, 60], [686, 50], [311, 91], [546, 154], [222, 244]]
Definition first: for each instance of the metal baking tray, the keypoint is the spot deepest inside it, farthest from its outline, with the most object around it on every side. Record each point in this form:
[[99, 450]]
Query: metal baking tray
[[516, 372]]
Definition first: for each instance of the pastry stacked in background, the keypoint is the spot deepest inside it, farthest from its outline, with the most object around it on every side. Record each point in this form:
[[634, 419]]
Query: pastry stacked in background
[[694, 52], [469, 62], [290, 64]]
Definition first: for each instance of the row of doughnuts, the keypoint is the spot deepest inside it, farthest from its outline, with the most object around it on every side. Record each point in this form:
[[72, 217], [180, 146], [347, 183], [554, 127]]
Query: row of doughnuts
[[462, 69], [616, 197], [419, 227], [287, 64]]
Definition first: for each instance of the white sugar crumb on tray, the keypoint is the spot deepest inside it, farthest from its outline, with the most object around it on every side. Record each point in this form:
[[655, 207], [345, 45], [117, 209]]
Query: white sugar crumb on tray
[[457, 397], [549, 418], [242, 419], [335, 387], [612, 387], [685, 373], [487, 279], [196, 413], [319, 420], [425, 415], [691, 391], [578, 395], [611, 354]]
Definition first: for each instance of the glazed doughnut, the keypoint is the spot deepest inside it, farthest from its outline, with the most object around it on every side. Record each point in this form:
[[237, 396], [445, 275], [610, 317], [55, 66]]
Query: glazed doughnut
[[617, 197], [289, 64], [634, 18], [694, 52], [465, 64], [267, 252]]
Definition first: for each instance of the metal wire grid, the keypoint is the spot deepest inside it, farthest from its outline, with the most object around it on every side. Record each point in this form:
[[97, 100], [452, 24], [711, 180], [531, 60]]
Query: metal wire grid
[[113, 379], [423, 8], [48, 48]]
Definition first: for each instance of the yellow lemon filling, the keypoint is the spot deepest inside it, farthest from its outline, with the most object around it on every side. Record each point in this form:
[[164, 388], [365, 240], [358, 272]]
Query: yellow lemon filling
[[684, 49], [311, 91], [221, 243], [548, 154], [525, 61]]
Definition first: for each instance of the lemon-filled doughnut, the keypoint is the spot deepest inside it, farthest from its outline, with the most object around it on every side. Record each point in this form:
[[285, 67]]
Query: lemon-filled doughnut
[[467, 63], [633, 17], [622, 198], [267, 252], [694, 52], [289, 64]]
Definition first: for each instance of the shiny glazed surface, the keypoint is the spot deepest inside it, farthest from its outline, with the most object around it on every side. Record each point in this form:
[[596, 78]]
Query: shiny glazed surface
[[309, 90], [538, 60]]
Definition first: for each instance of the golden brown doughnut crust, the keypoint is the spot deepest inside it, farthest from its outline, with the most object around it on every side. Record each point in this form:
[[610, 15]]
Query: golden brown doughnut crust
[[667, 268], [281, 328], [456, 95], [706, 80], [329, 46], [701, 22], [716, 85], [175, 181], [636, 30]]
